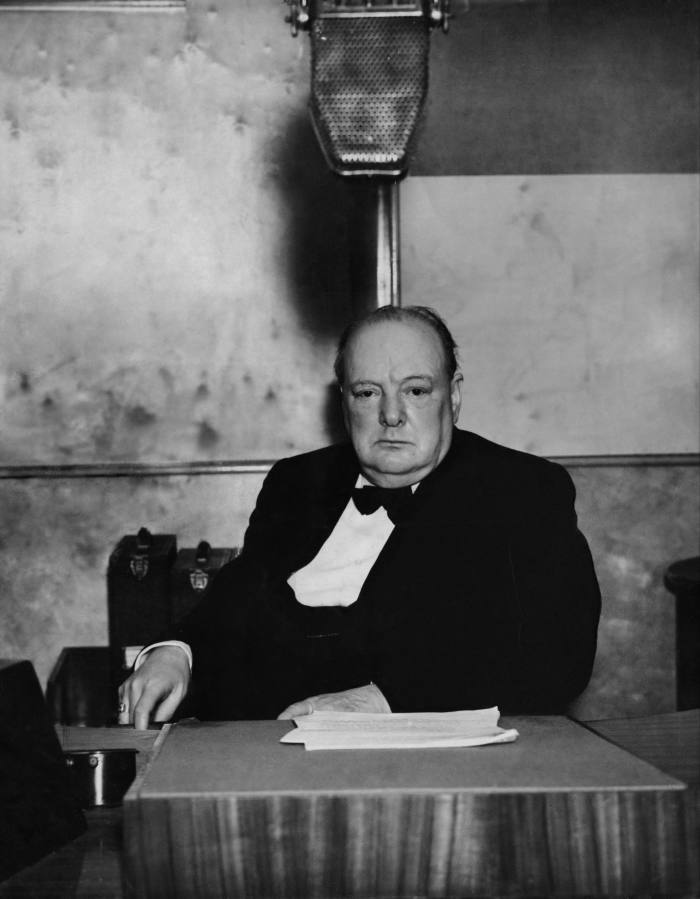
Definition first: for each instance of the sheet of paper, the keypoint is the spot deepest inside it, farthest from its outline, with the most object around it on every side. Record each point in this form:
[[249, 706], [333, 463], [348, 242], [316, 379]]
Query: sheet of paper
[[357, 730]]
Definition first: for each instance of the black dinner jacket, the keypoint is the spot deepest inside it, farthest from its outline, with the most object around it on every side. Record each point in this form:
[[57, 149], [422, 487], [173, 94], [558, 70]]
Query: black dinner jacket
[[485, 593]]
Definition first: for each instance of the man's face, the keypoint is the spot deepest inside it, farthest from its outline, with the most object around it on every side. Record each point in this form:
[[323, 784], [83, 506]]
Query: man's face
[[398, 402]]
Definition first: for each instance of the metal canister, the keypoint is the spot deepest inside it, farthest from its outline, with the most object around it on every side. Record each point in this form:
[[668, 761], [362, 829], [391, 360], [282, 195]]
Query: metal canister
[[100, 777]]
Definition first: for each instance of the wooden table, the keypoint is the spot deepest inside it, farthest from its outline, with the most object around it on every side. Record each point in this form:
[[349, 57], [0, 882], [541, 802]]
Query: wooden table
[[224, 810], [91, 866]]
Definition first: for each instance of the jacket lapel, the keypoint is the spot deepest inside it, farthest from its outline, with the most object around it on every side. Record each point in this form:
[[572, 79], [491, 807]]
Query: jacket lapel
[[331, 488], [438, 503]]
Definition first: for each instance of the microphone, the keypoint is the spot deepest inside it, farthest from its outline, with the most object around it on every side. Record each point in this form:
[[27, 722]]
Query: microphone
[[369, 77]]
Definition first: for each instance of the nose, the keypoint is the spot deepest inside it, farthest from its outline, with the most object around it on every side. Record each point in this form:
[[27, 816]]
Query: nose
[[391, 412]]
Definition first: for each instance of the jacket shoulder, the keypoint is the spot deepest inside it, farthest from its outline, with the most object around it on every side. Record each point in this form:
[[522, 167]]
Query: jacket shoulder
[[316, 462], [516, 470]]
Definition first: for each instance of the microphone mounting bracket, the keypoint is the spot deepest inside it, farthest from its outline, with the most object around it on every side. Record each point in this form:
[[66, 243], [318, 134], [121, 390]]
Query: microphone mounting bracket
[[302, 12]]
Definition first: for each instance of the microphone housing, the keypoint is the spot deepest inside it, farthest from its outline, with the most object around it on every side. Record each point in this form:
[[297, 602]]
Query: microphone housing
[[369, 79]]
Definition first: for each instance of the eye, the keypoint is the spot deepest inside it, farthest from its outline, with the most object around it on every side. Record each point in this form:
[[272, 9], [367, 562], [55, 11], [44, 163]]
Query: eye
[[363, 394], [418, 391]]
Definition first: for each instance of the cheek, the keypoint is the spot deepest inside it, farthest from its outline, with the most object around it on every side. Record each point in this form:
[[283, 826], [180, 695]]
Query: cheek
[[360, 420], [427, 422]]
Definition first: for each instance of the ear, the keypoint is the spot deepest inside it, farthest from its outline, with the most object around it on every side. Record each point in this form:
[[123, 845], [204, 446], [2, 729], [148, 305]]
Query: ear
[[456, 395], [344, 408]]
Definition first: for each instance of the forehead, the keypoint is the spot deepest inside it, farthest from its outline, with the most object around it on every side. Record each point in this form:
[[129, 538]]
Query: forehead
[[399, 347]]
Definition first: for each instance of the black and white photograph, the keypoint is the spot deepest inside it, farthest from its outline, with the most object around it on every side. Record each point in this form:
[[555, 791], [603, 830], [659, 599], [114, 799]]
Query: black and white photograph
[[349, 449]]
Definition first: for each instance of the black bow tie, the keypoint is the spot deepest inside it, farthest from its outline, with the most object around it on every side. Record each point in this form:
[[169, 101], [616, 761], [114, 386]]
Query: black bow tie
[[395, 500]]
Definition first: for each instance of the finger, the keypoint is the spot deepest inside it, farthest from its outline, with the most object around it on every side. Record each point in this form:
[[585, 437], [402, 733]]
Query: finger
[[128, 697], [132, 691], [169, 705], [123, 708], [296, 710], [142, 715], [144, 706]]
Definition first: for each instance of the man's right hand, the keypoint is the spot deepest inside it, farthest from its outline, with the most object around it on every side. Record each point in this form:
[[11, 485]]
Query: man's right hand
[[156, 689]]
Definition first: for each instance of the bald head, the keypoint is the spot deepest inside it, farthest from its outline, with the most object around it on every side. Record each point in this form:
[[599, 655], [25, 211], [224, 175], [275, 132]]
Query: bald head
[[419, 314]]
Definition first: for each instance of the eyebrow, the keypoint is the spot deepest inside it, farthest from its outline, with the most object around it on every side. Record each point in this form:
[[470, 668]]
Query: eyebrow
[[417, 377]]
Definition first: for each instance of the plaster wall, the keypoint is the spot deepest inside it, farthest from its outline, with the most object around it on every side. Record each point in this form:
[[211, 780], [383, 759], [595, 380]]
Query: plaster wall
[[169, 237], [574, 302]]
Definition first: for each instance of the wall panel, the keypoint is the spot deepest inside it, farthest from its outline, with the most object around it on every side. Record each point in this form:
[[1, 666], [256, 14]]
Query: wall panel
[[574, 300], [563, 86]]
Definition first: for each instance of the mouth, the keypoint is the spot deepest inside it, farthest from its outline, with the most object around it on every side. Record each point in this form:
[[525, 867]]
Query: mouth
[[385, 441]]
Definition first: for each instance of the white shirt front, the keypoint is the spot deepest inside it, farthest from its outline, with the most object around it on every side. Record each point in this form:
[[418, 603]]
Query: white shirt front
[[334, 577]]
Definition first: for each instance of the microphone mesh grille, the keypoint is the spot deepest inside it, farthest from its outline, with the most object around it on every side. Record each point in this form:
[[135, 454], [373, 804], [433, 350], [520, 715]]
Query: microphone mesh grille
[[369, 77]]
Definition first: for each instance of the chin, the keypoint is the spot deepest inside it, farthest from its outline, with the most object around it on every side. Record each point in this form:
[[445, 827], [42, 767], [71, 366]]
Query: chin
[[393, 462]]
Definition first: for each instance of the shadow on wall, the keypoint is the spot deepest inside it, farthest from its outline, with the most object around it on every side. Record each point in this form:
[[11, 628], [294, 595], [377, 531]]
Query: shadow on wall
[[319, 247], [333, 415], [317, 207]]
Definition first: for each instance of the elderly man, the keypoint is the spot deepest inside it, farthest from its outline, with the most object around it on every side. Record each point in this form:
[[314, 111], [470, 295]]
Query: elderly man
[[418, 568]]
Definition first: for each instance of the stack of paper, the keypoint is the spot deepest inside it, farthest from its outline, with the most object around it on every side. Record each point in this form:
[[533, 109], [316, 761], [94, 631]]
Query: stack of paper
[[424, 730]]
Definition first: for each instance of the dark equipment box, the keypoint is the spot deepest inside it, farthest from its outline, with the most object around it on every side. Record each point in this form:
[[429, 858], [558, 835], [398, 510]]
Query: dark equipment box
[[192, 575], [138, 601], [79, 691], [38, 809]]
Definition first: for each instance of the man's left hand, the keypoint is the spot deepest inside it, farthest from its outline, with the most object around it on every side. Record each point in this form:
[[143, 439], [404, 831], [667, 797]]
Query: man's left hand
[[359, 699]]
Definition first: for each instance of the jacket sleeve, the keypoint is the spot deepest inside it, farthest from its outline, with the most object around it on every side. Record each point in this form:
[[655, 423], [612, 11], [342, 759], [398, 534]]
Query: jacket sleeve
[[221, 630], [226, 601], [557, 598]]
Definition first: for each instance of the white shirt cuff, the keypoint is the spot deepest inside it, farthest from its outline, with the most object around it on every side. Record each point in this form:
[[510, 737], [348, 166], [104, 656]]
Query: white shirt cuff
[[140, 658]]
